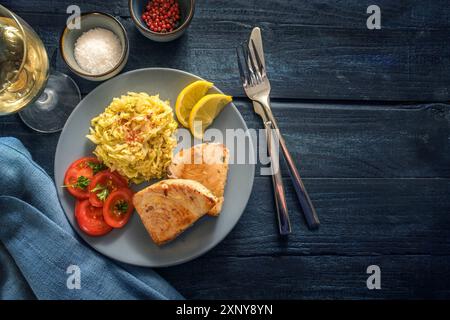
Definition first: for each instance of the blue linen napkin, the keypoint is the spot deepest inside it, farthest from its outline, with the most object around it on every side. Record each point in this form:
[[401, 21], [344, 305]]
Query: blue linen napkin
[[38, 245]]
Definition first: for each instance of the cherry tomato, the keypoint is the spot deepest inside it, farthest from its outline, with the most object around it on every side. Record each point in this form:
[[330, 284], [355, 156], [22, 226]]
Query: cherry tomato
[[122, 178], [102, 184], [77, 181], [118, 208], [90, 219], [79, 175], [83, 162]]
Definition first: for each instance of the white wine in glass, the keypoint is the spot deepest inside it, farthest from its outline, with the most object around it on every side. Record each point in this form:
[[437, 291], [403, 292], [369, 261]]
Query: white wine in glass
[[26, 84]]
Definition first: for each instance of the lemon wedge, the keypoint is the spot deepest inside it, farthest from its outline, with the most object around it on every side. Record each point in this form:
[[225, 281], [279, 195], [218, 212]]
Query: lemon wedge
[[188, 97], [205, 111]]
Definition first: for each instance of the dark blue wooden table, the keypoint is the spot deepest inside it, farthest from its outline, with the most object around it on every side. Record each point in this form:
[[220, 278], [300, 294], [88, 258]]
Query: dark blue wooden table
[[365, 114]]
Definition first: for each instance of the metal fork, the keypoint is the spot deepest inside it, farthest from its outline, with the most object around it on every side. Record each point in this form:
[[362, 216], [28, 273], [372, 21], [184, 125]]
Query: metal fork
[[284, 224], [257, 87]]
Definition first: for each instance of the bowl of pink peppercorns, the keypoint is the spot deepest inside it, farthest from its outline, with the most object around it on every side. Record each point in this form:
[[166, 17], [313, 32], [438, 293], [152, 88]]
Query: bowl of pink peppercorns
[[162, 20]]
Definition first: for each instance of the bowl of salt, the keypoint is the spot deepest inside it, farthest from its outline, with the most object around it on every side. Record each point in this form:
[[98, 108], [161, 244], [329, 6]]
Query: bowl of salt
[[98, 49]]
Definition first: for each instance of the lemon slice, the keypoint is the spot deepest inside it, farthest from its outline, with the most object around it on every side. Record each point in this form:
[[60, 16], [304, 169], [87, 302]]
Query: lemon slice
[[188, 97], [205, 111]]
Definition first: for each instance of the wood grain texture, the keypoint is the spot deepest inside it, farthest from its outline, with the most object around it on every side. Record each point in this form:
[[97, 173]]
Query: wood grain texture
[[378, 173], [41, 146], [318, 277], [315, 49], [363, 141], [358, 217], [398, 221], [331, 140]]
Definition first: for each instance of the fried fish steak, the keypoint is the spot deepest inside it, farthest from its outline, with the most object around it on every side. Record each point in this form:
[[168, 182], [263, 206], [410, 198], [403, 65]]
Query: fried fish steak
[[169, 207], [206, 163]]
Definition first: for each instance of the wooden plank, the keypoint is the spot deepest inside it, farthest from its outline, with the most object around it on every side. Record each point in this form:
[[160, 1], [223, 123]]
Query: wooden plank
[[331, 140], [403, 214], [41, 146], [404, 13], [392, 222], [318, 277], [378, 174], [116, 7], [315, 49], [363, 141], [358, 217]]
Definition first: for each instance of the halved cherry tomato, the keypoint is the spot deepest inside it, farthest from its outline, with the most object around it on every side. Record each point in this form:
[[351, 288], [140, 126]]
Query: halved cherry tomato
[[90, 219], [77, 182], [118, 208], [102, 184], [79, 175], [83, 162], [122, 178]]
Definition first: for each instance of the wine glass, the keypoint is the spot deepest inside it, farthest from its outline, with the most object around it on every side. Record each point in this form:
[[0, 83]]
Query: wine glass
[[27, 81]]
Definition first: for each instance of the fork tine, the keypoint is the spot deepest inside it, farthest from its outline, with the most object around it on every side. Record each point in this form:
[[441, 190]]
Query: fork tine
[[262, 71], [254, 71], [242, 72], [249, 63]]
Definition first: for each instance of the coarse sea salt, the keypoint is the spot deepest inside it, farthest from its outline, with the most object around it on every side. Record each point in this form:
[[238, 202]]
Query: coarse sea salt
[[97, 51]]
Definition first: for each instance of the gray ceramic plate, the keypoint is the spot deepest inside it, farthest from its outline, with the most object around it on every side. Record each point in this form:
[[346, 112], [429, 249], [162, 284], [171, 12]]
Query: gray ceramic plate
[[132, 244]]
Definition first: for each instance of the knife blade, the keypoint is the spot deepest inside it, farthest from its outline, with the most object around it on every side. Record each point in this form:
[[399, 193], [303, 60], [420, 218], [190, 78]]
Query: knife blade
[[255, 36]]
